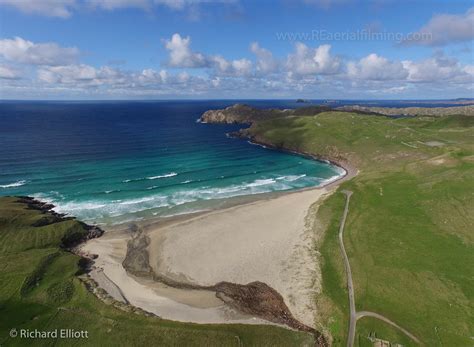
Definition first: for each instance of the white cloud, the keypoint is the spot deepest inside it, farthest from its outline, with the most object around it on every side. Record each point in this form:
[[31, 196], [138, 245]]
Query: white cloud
[[108, 78], [24, 51], [444, 29], [150, 76], [439, 69], [374, 67], [307, 61], [49, 8], [305, 73], [181, 54], [147, 4], [119, 4], [9, 73], [241, 67], [266, 63], [85, 76], [238, 67], [326, 3], [68, 74], [65, 8]]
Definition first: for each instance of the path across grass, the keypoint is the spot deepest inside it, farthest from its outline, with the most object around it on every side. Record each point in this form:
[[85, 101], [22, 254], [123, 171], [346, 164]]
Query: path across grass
[[410, 241]]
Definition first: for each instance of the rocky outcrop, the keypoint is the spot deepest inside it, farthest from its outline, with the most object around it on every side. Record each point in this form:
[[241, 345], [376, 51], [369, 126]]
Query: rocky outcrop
[[238, 113], [245, 114], [73, 238]]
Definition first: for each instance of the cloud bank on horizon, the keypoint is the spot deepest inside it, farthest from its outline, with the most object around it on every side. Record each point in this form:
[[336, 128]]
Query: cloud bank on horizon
[[225, 49]]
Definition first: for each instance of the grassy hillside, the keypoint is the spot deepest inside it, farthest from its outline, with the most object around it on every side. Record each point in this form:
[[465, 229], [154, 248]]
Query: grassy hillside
[[409, 233], [39, 289]]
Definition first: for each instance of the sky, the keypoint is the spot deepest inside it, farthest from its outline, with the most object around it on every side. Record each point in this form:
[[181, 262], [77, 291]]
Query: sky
[[236, 49]]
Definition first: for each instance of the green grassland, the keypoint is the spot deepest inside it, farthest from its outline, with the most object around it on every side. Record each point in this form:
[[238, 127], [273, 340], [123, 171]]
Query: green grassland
[[39, 289], [410, 229]]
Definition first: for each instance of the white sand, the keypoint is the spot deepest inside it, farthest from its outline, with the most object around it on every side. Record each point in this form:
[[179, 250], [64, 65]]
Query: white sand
[[170, 303], [265, 241]]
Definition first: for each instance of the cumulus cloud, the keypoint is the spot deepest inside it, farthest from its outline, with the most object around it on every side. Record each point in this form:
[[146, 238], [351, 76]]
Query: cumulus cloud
[[9, 73], [308, 71], [326, 3], [83, 76], [24, 51], [439, 69], [65, 8], [266, 63], [181, 4], [444, 29], [49, 8], [68, 74], [118, 4], [150, 76], [147, 4], [181, 55], [238, 67], [374, 67], [307, 61]]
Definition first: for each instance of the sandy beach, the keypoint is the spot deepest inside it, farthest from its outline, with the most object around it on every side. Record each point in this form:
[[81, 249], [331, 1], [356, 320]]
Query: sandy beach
[[185, 305], [268, 240]]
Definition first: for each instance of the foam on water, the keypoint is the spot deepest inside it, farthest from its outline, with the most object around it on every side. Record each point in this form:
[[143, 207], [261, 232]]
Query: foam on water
[[171, 174], [103, 208], [14, 184], [105, 162]]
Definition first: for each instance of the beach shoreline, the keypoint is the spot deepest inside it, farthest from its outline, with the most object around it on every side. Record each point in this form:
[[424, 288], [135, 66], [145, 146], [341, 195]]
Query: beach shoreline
[[202, 306], [173, 267]]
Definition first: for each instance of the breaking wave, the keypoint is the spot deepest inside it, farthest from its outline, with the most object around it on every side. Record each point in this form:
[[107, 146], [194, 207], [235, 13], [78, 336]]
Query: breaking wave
[[14, 184], [171, 174], [105, 208]]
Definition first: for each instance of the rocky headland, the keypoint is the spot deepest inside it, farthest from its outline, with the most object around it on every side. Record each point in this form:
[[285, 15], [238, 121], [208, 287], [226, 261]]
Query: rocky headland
[[245, 114]]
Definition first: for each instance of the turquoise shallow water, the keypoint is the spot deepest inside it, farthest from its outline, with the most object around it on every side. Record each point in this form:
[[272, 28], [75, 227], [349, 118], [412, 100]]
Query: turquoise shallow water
[[109, 162]]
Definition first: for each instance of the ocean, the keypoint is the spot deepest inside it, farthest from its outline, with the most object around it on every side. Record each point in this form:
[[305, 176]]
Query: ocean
[[117, 161]]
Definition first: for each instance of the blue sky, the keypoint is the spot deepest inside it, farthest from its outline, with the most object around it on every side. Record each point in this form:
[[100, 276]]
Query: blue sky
[[163, 49]]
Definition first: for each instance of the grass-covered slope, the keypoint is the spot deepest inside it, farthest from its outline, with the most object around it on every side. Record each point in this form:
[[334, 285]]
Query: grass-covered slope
[[39, 289], [410, 229]]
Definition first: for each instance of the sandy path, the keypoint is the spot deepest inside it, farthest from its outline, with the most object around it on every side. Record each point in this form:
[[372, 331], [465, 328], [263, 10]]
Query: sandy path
[[266, 240]]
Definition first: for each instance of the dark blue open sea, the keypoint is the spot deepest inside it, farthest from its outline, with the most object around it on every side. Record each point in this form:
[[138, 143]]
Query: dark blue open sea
[[109, 162]]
